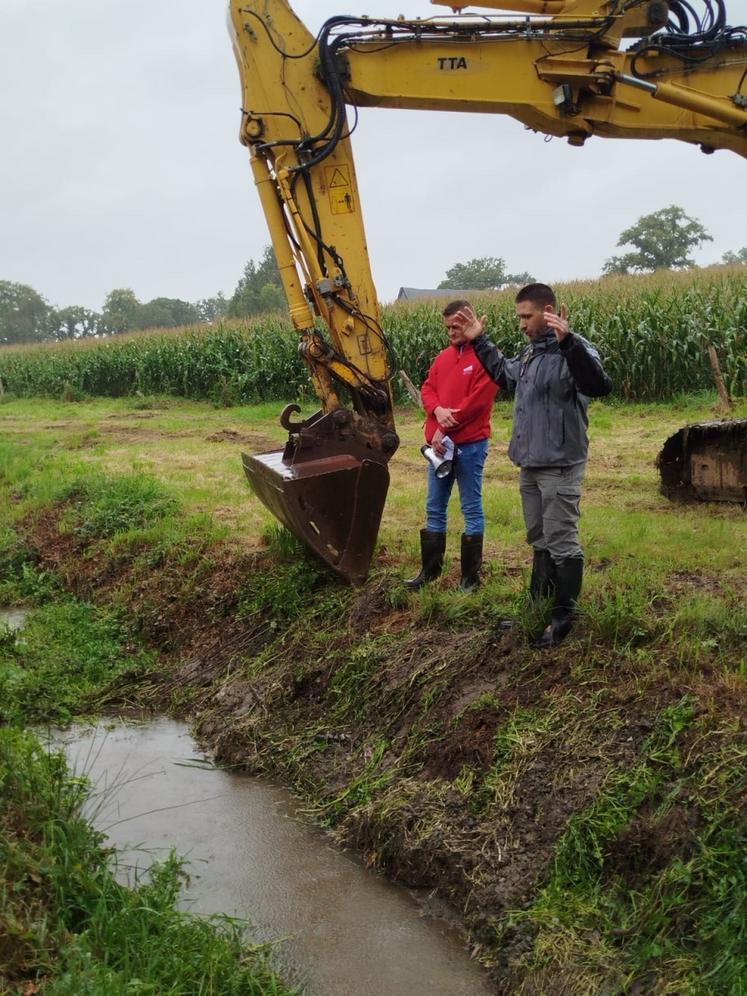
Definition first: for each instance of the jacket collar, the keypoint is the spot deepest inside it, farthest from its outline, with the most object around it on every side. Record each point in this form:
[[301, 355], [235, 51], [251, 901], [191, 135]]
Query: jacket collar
[[545, 343]]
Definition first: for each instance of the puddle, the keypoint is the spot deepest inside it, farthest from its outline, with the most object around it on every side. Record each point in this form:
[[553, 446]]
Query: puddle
[[343, 931]]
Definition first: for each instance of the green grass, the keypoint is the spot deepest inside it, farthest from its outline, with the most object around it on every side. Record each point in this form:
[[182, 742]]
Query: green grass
[[101, 506], [429, 735], [68, 653], [160, 491], [618, 903]]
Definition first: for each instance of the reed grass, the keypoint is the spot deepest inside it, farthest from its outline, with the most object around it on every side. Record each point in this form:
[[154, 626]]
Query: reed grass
[[68, 928]]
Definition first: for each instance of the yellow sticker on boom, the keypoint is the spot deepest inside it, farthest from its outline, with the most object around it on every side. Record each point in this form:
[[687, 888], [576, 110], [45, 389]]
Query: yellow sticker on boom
[[339, 189]]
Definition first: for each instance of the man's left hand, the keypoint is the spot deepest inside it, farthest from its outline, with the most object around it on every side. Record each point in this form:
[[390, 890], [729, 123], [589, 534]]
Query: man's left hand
[[558, 322]]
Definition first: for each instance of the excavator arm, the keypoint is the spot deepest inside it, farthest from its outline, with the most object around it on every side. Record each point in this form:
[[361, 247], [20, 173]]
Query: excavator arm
[[329, 484], [564, 75], [562, 69]]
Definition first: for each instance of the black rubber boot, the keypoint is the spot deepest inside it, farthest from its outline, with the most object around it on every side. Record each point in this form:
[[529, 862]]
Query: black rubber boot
[[471, 561], [542, 583], [568, 577], [432, 549]]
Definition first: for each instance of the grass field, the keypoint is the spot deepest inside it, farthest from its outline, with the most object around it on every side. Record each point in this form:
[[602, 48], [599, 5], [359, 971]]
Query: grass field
[[582, 811], [194, 451]]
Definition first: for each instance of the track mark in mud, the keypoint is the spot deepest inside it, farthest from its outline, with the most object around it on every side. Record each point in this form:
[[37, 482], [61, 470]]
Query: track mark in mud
[[242, 438]]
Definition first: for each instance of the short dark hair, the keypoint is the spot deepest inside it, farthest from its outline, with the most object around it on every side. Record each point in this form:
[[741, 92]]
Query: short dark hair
[[539, 294], [453, 306]]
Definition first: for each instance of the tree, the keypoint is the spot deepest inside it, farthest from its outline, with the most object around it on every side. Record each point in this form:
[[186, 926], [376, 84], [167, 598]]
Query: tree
[[74, 322], [164, 312], [120, 310], [24, 314], [271, 298], [662, 240], [259, 289], [210, 309], [484, 273], [123, 312], [740, 256]]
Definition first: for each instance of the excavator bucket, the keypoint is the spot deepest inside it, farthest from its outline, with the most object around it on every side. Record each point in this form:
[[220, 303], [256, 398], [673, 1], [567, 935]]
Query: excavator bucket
[[328, 491], [706, 461]]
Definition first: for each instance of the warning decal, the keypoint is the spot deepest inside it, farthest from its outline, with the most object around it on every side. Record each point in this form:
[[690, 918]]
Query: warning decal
[[339, 189], [340, 177]]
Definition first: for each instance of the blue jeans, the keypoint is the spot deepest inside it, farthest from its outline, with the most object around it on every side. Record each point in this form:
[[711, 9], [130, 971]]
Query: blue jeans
[[469, 463]]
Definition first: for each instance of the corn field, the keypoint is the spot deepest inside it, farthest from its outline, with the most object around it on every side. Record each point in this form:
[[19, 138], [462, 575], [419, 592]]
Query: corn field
[[652, 331]]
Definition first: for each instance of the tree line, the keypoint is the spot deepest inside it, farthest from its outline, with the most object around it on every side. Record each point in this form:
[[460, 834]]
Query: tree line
[[661, 240], [26, 316]]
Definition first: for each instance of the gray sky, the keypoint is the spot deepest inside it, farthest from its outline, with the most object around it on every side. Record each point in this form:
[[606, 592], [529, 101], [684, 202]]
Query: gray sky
[[121, 165]]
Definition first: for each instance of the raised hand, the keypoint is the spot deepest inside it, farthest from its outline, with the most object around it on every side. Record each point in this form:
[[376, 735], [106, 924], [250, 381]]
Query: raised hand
[[558, 322], [468, 323]]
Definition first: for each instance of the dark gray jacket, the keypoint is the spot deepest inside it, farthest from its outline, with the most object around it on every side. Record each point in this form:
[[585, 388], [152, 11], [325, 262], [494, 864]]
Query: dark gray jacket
[[553, 383]]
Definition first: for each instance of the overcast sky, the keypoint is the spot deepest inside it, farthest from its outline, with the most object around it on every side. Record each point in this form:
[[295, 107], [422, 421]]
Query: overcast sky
[[121, 165]]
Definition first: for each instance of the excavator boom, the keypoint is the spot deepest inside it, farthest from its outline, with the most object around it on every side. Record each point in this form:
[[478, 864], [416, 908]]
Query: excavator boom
[[329, 484], [562, 70]]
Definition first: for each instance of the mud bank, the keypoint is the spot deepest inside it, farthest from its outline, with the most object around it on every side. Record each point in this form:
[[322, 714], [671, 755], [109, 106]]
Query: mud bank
[[442, 749]]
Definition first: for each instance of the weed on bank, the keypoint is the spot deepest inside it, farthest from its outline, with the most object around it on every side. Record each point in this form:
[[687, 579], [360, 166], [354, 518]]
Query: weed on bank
[[67, 927]]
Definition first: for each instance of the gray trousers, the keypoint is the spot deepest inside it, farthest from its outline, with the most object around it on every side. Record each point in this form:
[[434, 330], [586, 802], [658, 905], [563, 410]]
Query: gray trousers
[[551, 499]]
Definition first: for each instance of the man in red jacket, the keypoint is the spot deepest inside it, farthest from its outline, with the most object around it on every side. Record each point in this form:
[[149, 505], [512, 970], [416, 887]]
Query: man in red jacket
[[458, 399]]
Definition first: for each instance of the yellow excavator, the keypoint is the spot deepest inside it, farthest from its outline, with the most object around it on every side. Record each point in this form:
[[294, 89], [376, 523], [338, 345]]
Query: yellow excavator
[[568, 68]]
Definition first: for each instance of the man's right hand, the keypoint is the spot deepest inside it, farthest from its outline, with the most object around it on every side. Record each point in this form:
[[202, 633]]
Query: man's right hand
[[446, 417], [469, 324]]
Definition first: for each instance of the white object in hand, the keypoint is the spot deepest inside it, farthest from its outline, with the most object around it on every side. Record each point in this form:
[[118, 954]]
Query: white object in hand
[[441, 464]]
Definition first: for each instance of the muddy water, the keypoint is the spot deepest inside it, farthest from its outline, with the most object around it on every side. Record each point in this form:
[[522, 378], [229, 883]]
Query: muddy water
[[342, 931]]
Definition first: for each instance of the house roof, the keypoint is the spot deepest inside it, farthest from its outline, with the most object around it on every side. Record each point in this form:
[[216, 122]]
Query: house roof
[[411, 293]]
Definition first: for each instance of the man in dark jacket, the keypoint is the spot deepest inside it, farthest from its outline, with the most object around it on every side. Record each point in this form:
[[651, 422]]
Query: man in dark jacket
[[458, 399], [553, 378]]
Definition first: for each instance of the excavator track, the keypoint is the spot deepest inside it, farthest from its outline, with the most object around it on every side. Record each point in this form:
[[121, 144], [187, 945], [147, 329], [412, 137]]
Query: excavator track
[[706, 461]]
